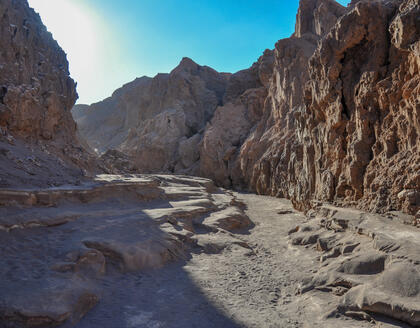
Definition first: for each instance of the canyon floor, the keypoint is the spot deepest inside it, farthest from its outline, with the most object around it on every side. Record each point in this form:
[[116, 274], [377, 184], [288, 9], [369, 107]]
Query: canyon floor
[[176, 251]]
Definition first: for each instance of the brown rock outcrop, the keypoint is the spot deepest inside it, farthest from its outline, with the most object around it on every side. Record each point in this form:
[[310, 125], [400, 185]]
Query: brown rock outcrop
[[349, 118], [36, 96], [362, 110], [37, 92], [331, 114], [341, 119], [158, 122]]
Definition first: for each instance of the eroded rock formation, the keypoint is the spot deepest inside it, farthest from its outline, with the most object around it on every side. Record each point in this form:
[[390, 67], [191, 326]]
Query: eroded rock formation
[[36, 96], [342, 115], [157, 122], [332, 113], [368, 264]]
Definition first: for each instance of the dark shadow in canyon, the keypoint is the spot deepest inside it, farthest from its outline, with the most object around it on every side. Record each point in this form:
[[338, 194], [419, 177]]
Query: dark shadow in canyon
[[162, 297]]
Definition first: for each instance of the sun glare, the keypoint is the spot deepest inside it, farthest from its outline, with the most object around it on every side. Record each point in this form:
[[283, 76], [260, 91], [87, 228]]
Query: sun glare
[[78, 31]]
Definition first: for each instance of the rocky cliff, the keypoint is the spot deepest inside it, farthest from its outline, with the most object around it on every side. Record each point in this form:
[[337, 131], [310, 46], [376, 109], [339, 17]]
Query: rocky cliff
[[36, 96], [352, 134], [156, 121], [331, 114]]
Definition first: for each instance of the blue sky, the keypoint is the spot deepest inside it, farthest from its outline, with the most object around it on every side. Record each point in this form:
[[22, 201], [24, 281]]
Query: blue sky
[[111, 42]]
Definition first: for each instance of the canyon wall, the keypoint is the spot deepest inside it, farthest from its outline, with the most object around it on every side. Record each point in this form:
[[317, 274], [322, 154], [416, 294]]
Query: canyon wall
[[331, 114], [37, 131], [158, 121], [37, 92], [352, 136]]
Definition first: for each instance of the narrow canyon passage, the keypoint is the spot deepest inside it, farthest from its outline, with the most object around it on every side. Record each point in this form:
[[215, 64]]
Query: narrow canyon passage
[[125, 211], [237, 287], [252, 286], [148, 251]]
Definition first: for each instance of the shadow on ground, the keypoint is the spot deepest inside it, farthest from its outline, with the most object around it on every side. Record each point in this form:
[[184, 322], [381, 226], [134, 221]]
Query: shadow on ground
[[154, 299], [124, 255]]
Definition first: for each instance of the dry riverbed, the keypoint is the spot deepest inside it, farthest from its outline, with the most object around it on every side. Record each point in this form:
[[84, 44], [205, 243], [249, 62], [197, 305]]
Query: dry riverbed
[[165, 251]]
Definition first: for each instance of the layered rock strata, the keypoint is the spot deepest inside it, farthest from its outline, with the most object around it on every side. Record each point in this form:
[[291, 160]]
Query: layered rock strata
[[331, 114]]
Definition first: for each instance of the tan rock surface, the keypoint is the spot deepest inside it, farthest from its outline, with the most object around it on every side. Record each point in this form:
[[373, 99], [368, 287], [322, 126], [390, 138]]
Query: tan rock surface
[[331, 114], [156, 121], [369, 264]]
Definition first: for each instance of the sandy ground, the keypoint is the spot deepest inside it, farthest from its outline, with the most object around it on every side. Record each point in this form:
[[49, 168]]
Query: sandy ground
[[236, 288]]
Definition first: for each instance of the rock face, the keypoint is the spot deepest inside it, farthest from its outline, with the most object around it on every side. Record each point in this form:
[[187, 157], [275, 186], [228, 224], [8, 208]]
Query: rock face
[[362, 102], [342, 115], [36, 91], [36, 96], [156, 121], [331, 114]]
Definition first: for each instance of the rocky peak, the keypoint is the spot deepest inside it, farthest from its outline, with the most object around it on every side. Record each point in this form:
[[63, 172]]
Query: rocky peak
[[317, 16], [186, 64]]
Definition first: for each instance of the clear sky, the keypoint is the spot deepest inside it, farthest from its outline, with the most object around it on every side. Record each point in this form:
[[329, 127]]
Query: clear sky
[[111, 42]]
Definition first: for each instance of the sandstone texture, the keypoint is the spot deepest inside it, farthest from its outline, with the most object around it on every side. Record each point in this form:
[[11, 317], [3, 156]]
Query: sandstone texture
[[332, 113], [37, 131]]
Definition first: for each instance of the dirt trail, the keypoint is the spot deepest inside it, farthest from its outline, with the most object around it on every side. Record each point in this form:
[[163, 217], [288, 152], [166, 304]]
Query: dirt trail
[[259, 287], [239, 287], [255, 287]]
